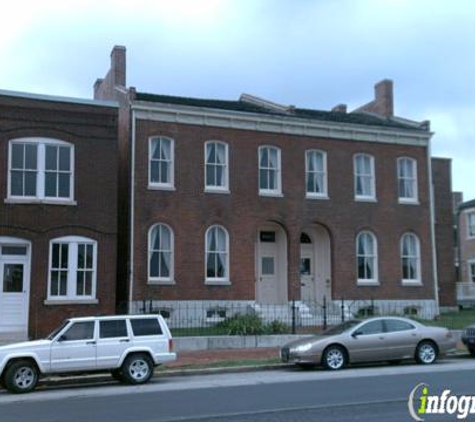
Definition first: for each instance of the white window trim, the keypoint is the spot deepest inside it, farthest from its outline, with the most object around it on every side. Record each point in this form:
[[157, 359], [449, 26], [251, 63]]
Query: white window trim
[[470, 274], [217, 281], [170, 281], [469, 213], [158, 185], [71, 296], [417, 281], [270, 192], [218, 189], [40, 173], [365, 198], [408, 201], [317, 195], [368, 281]]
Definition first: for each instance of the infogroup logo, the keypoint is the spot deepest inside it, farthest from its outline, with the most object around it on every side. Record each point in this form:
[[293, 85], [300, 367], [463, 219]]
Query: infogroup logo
[[420, 404]]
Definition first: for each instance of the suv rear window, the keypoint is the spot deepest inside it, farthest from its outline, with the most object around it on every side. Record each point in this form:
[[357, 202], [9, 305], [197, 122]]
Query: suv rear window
[[146, 327], [113, 328]]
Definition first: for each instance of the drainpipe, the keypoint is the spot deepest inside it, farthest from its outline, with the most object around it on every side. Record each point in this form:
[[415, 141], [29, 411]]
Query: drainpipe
[[131, 222]]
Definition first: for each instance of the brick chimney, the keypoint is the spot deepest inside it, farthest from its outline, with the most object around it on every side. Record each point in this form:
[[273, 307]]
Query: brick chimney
[[104, 89], [383, 103]]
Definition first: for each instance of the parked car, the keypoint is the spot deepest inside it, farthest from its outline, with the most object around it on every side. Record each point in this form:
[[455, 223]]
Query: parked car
[[376, 339], [468, 338], [129, 346]]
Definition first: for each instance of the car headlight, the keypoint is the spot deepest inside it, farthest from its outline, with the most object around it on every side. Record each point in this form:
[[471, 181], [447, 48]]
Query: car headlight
[[303, 348]]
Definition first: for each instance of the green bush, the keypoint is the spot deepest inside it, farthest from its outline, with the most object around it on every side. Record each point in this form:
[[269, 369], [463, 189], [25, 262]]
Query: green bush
[[242, 325], [277, 327]]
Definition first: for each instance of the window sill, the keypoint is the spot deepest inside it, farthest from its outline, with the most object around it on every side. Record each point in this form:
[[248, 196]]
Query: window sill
[[318, 197], [272, 194], [161, 187], [408, 201], [217, 190], [217, 282], [40, 201], [367, 283], [411, 283], [156, 282], [71, 302], [365, 199]]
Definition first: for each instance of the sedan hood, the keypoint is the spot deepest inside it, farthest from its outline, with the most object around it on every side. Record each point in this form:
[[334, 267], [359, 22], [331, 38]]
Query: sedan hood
[[25, 345]]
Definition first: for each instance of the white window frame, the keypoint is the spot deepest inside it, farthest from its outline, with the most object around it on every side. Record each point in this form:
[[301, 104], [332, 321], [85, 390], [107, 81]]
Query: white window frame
[[278, 190], [215, 188], [41, 172], [160, 185], [324, 193], [471, 270], [372, 196], [414, 181], [418, 279], [470, 219], [71, 296], [368, 281], [217, 280], [170, 280]]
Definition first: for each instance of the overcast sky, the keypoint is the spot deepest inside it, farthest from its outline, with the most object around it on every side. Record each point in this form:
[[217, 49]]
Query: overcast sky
[[309, 53]]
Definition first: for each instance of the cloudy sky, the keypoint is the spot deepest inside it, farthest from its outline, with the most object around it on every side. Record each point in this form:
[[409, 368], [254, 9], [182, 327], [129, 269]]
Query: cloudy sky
[[310, 53]]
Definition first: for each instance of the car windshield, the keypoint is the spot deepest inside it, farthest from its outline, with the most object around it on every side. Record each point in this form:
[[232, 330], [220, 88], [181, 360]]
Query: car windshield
[[338, 329], [57, 330]]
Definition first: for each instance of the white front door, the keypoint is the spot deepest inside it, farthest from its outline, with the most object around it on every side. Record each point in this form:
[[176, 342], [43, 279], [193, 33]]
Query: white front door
[[307, 274], [267, 282], [14, 288]]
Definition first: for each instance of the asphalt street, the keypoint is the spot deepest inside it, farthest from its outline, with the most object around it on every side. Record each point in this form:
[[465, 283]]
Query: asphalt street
[[363, 393]]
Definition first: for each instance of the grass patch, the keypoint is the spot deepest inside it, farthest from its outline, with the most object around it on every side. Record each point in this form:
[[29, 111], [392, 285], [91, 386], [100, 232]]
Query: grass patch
[[224, 364], [453, 320]]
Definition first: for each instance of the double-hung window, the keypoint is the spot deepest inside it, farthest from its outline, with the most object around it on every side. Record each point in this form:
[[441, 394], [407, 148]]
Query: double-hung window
[[471, 270], [72, 269], [407, 180], [161, 163], [160, 252], [316, 174], [410, 259], [217, 255], [367, 258], [270, 171], [41, 169], [471, 224], [365, 185], [216, 168]]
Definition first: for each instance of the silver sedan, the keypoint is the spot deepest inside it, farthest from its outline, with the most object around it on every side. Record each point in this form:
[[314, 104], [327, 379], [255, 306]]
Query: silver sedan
[[389, 339]]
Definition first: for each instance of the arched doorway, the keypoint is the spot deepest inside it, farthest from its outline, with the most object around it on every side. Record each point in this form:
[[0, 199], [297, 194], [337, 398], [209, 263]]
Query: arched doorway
[[271, 265], [315, 264]]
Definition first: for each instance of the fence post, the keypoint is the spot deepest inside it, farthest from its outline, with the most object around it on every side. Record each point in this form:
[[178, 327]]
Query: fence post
[[324, 312], [342, 310], [293, 316], [372, 306]]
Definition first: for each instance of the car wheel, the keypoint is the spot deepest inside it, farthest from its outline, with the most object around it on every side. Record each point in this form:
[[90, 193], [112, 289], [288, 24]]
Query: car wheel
[[334, 358], [426, 353], [471, 350], [137, 368], [21, 377], [118, 375]]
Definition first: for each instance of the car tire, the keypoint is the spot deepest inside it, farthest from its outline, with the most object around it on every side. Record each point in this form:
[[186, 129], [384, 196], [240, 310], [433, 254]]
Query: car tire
[[426, 352], [334, 358], [21, 377], [137, 368], [471, 350], [118, 375]]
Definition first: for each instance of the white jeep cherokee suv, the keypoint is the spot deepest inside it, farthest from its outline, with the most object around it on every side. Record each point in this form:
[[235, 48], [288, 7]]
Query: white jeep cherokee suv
[[129, 346]]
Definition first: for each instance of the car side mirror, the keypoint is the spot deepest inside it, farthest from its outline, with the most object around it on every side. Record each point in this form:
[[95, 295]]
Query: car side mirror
[[355, 334], [62, 337]]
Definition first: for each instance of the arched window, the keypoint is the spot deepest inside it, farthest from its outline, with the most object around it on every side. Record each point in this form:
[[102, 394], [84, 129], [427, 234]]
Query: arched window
[[364, 177], [161, 162], [407, 179], [160, 253], [367, 258], [217, 254], [410, 258], [269, 171], [72, 268], [316, 173], [216, 172], [41, 169]]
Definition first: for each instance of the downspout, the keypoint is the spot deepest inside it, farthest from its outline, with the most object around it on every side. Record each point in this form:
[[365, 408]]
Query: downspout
[[131, 222], [432, 228]]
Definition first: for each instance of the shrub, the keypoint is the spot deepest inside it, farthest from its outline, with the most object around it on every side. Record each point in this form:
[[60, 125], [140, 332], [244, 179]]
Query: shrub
[[242, 325], [277, 327]]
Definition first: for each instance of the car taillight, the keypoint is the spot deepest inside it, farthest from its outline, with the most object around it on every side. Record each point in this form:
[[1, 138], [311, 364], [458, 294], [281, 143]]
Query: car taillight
[[170, 345]]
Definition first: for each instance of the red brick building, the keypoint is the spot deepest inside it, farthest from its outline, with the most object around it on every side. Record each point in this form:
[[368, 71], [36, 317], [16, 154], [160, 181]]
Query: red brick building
[[466, 251], [58, 213], [258, 203]]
